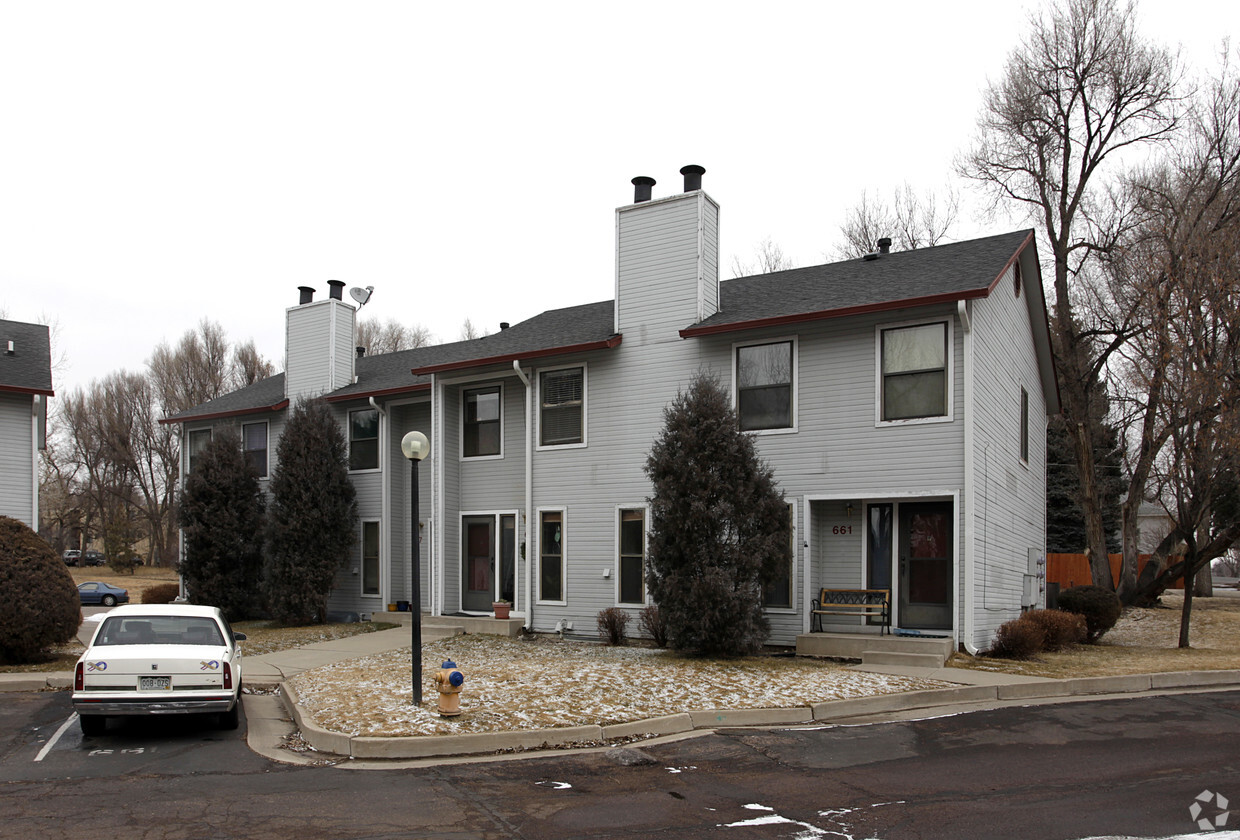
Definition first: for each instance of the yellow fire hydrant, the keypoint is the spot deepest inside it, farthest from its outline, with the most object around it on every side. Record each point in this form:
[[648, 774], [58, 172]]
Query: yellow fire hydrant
[[449, 681]]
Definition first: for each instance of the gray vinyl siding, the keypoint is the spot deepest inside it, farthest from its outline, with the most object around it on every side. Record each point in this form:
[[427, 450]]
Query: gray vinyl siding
[[449, 539], [17, 448], [314, 366], [1010, 494], [346, 594], [838, 559], [657, 269], [398, 548]]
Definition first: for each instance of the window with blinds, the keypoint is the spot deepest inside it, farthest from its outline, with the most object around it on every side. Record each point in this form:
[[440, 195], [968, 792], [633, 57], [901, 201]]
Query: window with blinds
[[561, 419]]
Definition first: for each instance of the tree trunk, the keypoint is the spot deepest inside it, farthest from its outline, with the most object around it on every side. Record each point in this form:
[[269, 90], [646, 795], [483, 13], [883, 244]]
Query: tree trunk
[[1091, 509], [1187, 611], [1203, 583]]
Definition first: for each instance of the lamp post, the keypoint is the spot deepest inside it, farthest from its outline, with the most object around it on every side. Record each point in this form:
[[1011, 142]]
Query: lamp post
[[415, 447]]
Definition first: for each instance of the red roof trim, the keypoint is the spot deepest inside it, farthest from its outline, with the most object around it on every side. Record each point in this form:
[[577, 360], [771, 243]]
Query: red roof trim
[[606, 344], [221, 414], [825, 314], [13, 389], [361, 395]]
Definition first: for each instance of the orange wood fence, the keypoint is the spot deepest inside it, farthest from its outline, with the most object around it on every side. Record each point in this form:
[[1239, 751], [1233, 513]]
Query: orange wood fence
[[1073, 569]]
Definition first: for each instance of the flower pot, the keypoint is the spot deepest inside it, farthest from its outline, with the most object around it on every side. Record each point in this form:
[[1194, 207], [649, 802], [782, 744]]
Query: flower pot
[[501, 610]]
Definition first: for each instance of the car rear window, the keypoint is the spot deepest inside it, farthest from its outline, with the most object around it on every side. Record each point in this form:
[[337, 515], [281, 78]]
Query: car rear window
[[159, 630]]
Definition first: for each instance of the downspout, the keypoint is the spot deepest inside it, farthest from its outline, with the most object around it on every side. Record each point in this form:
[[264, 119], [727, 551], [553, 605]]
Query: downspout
[[529, 492], [970, 548], [35, 432], [385, 505]]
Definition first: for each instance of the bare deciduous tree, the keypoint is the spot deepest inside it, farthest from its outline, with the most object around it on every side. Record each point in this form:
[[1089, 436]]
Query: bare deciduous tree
[[469, 332], [911, 221], [391, 336], [1082, 88], [768, 258]]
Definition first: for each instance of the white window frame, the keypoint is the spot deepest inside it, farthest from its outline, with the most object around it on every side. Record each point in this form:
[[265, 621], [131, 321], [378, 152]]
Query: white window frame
[[793, 386], [479, 386], [645, 509], [585, 406], [266, 452], [949, 361], [361, 544], [538, 518], [378, 440], [189, 451]]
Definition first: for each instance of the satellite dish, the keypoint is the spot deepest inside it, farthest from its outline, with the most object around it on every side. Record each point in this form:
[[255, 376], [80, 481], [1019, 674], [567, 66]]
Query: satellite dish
[[361, 295]]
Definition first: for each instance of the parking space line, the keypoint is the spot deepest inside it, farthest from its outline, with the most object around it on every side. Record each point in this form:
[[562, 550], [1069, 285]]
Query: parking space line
[[61, 731]]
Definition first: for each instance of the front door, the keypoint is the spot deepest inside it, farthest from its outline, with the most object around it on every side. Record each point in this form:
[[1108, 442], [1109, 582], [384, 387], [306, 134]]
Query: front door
[[925, 590], [478, 563]]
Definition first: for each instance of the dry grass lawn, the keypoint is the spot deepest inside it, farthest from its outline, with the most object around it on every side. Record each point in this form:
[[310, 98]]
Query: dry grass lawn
[[1143, 641]]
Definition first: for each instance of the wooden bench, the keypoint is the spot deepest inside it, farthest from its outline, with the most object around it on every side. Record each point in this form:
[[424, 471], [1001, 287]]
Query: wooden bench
[[871, 603]]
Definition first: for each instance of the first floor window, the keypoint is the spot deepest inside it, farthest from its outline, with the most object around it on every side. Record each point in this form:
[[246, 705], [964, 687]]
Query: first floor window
[[482, 422], [364, 439], [254, 444], [764, 386], [633, 556], [778, 592], [551, 556], [562, 419], [198, 440], [914, 372], [370, 558]]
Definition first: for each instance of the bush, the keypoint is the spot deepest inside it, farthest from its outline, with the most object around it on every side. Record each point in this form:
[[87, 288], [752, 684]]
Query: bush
[[1017, 639], [1100, 607], [1059, 629], [613, 624], [164, 593], [41, 601], [654, 626]]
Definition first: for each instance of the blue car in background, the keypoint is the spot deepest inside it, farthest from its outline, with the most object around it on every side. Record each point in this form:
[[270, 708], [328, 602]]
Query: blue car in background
[[93, 593]]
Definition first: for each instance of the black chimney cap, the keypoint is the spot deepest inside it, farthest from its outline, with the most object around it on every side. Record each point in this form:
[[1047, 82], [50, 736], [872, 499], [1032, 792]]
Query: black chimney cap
[[503, 325], [693, 176], [337, 289], [641, 188], [307, 294], [361, 351], [884, 245]]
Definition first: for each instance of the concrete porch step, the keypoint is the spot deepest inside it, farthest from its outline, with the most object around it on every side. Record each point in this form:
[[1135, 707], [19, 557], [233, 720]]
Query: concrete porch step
[[470, 624], [910, 660], [857, 645]]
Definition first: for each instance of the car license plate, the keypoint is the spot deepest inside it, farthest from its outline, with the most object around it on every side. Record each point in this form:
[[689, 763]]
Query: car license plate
[[155, 683]]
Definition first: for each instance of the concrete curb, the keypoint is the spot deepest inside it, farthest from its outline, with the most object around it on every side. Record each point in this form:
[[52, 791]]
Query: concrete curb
[[439, 746]]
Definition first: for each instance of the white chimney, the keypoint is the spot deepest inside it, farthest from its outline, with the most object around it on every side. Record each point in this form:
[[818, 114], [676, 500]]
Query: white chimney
[[319, 345]]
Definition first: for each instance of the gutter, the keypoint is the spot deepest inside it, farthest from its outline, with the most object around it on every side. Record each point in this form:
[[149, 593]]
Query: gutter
[[603, 344], [529, 491]]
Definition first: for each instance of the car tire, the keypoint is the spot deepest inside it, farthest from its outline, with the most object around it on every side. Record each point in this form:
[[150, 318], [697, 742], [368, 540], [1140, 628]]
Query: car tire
[[232, 718], [109, 600], [93, 724]]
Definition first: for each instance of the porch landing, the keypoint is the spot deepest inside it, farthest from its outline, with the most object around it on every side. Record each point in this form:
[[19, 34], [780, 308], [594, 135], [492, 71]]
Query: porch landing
[[466, 624], [878, 650]]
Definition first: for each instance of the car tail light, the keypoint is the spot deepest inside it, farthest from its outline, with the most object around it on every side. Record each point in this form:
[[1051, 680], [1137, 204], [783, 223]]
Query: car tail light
[[227, 675], [79, 680]]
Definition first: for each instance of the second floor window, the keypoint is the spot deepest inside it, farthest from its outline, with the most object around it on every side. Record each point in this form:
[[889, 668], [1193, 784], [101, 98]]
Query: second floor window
[[481, 435], [254, 445], [364, 439], [563, 395], [764, 386], [198, 440], [914, 372]]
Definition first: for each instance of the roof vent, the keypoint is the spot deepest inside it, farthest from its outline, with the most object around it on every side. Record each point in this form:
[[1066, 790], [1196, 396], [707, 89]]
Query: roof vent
[[641, 188], [870, 257], [307, 294], [337, 289], [693, 176], [884, 246], [361, 351], [503, 325]]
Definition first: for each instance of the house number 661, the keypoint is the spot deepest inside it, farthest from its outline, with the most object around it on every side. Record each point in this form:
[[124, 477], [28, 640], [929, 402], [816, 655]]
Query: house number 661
[[840, 530]]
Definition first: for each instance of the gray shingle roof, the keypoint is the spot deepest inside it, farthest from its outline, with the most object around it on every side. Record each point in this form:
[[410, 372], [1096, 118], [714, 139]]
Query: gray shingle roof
[[957, 271], [29, 369]]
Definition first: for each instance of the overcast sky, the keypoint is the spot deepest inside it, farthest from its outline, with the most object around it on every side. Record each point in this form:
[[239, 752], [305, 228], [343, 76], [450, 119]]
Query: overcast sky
[[165, 162]]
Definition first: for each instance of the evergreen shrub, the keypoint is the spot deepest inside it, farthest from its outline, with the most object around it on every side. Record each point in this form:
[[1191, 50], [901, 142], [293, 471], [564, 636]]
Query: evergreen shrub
[[41, 606], [1100, 607]]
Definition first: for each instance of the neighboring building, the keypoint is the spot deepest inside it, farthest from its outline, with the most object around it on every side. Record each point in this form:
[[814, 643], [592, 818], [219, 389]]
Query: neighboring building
[[25, 386], [901, 400]]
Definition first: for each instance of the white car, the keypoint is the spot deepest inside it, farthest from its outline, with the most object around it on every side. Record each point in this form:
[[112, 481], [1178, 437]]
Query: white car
[[159, 659]]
